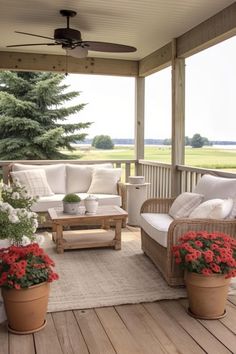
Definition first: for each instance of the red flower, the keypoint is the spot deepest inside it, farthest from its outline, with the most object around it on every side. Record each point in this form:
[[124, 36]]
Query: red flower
[[23, 266], [206, 253]]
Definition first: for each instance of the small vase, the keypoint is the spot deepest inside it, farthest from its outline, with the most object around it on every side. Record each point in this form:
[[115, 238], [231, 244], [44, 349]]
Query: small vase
[[26, 308], [207, 295]]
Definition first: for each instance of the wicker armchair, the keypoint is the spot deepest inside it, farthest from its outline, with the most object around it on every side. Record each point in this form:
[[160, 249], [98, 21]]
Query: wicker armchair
[[162, 256]]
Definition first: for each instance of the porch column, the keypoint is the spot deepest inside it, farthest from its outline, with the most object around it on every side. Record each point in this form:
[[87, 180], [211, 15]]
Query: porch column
[[178, 118], [139, 119]]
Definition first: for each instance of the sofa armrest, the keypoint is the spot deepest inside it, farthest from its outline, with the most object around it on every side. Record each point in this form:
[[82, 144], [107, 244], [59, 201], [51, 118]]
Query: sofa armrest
[[157, 205]]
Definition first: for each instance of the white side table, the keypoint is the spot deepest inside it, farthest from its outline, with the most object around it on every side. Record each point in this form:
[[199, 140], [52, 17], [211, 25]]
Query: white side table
[[136, 195]]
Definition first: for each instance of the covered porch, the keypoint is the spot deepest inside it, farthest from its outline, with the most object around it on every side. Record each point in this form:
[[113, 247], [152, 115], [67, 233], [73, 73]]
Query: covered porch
[[159, 327]]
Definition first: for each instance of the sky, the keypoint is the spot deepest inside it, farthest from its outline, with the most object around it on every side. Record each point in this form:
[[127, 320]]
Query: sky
[[210, 98]]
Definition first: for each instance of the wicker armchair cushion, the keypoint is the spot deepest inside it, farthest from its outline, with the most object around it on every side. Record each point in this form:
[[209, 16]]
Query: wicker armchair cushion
[[216, 187], [213, 209], [184, 204], [156, 226]]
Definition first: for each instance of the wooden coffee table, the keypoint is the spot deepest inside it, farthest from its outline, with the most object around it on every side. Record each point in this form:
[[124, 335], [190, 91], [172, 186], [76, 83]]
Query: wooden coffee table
[[105, 215]]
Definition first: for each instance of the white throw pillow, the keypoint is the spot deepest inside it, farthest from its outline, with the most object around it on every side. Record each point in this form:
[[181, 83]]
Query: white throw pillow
[[213, 209], [79, 177], [56, 175], [232, 214], [105, 180], [216, 187], [35, 182], [184, 204]]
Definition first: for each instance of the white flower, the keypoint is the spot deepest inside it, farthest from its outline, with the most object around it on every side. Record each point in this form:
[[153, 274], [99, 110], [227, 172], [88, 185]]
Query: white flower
[[22, 212], [35, 224], [25, 240], [40, 239], [13, 218], [6, 207]]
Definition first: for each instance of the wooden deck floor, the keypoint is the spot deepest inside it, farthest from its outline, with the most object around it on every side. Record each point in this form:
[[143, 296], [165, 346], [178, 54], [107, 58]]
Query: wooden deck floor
[[159, 327]]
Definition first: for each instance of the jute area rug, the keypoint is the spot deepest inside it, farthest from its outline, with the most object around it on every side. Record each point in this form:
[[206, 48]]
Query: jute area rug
[[105, 277]]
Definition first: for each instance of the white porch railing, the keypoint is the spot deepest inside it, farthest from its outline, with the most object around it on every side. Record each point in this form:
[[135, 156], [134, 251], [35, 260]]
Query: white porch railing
[[159, 175]]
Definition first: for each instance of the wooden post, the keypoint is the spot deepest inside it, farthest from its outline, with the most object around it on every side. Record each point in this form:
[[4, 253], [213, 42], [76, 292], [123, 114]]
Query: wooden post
[[178, 118], [139, 119]]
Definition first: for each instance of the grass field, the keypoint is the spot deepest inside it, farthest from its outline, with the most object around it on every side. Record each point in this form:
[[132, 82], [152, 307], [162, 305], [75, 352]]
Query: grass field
[[203, 157]]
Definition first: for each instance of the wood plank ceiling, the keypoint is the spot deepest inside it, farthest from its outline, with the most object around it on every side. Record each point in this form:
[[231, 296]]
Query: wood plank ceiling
[[145, 24]]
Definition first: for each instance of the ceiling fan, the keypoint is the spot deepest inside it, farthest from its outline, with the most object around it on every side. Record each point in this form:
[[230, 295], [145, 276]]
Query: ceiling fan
[[70, 39]]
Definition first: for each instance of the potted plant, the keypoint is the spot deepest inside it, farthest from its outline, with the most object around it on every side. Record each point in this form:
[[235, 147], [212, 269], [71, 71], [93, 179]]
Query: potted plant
[[209, 261], [25, 270], [71, 203], [25, 274]]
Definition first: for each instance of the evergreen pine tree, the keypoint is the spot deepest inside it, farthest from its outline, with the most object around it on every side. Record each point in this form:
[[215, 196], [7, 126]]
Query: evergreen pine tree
[[33, 116]]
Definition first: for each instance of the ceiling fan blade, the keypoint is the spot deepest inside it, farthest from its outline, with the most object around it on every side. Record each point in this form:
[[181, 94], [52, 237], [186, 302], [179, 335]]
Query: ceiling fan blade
[[26, 45], [107, 47], [34, 35]]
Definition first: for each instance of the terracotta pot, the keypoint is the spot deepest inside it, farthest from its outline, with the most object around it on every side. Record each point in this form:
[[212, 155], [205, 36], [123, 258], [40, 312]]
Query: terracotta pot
[[26, 308], [207, 295]]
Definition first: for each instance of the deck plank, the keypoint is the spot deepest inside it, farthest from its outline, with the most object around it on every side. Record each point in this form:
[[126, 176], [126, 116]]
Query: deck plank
[[230, 319], [19, 344], [46, 340], [232, 299], [192, 326], [3, 338], [116, 330], [142, 327], [69, 334], [218, 330], [183, 341], [93, 332]]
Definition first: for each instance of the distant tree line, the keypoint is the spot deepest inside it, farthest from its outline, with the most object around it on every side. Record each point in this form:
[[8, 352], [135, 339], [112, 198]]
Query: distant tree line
[[197, 141]]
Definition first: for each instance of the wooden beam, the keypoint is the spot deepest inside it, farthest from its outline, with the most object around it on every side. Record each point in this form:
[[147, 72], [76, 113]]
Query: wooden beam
[[212, 31], [156, 61], [59, 63], [139, 118], [178, 118]]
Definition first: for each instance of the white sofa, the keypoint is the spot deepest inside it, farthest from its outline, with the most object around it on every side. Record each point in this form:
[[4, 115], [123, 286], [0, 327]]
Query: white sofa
[[101, 180], [212, 207]]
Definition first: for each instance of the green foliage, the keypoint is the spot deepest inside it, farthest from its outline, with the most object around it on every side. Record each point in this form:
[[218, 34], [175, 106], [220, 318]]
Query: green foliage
[[103, 142], [71, 198], [197, 141], [33, 116]]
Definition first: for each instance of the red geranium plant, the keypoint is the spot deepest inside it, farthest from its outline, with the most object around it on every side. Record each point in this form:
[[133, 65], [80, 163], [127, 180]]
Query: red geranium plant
[[24, 266], [206, 253]]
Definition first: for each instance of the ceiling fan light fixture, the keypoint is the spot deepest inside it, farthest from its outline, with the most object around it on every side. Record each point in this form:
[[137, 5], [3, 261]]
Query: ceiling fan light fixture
[[77, 52]]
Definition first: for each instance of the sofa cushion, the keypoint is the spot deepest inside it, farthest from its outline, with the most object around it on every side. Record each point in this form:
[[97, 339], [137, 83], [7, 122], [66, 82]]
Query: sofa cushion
[[35, 182], [55, 201], [216, 187], [55, 174], [213, 209], [105, 180], [156, 226], [184, 204], [79, 177]]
